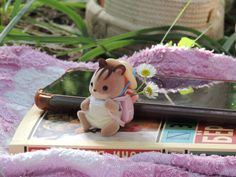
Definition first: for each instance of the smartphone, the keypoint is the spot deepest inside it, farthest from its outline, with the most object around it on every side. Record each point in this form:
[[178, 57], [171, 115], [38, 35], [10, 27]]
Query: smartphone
[[193, 98]]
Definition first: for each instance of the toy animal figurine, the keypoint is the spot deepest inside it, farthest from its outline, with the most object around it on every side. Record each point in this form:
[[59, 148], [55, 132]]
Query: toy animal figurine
[[110, 105]]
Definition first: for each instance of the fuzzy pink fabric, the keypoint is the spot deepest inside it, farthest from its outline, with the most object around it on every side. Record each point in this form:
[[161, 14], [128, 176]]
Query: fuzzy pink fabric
[[24, 70], [184, 62]]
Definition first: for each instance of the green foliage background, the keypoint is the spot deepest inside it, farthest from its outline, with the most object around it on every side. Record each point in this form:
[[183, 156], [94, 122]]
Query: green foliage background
[[58, 27]]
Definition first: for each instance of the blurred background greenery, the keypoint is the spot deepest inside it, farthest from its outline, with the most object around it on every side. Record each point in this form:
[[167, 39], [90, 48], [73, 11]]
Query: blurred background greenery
[[58, 28]]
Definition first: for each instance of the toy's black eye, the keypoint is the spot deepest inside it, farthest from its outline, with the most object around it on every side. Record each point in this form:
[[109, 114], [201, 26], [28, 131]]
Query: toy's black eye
[[91, 84], [105, 88]]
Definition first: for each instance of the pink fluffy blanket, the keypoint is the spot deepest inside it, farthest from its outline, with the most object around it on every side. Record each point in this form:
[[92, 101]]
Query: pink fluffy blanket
[[24, 70]]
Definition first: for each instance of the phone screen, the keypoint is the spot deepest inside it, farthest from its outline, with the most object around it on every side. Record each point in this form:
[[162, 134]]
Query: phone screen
[[74, 83], [194, 93]]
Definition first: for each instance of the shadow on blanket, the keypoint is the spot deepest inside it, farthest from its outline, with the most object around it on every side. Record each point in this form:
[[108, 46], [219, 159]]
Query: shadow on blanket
[[24, 70]]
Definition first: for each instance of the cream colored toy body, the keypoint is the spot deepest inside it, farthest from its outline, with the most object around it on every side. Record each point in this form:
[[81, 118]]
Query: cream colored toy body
[[108, 82]]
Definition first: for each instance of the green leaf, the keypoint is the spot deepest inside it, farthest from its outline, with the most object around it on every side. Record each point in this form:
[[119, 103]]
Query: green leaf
[[14, 21], [156, 38], [49, 27], [204, 41], [15, 31], [186, 91], [65, 28], [106, 48], [16, 8], [186, 42], [7, 4], [75, 4], [170, 43], [150, 35], [152, 39], [49, 39], [229, 42], [79, 22], [77, 49], [146, 35]]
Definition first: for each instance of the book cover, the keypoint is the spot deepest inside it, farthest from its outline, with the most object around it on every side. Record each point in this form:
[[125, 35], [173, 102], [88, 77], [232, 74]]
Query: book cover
[[43, 130]]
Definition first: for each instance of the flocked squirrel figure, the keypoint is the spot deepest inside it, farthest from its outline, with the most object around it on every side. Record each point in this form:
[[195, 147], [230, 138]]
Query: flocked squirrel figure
[[110, 104]]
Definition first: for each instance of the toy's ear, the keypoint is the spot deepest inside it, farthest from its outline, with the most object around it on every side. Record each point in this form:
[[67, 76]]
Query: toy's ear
[[120, 69], [102, 63]]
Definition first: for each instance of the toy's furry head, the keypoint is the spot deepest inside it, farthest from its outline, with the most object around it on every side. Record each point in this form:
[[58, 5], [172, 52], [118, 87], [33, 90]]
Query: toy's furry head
[[108, 81]]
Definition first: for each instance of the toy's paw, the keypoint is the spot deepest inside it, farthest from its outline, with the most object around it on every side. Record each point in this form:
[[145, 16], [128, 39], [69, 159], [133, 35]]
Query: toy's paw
[[83, 120], [110, 129], [84, 107], [85, 104], [111, 105], [79, 130]]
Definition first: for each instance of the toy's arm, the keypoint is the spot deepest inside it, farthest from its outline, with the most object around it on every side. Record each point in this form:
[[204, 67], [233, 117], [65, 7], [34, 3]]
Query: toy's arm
[[112, 105], [134, 98], [85, 104]]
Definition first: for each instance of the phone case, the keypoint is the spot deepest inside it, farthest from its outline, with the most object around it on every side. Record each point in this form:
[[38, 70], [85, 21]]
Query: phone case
[[148, 108]]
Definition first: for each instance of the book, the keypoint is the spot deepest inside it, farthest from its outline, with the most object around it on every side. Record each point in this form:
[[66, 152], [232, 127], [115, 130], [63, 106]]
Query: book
[[42, 130]]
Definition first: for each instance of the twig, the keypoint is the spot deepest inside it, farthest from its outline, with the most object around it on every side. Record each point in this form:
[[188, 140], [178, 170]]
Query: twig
[[175, 21], [169, 99], [204, 32]]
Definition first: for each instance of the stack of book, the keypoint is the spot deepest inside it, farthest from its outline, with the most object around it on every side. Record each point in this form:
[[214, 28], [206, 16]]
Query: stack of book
[[42, 130]]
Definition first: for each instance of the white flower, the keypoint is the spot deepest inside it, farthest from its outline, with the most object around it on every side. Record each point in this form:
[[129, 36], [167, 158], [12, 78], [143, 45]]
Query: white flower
[[151, 90], [146, 70]]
